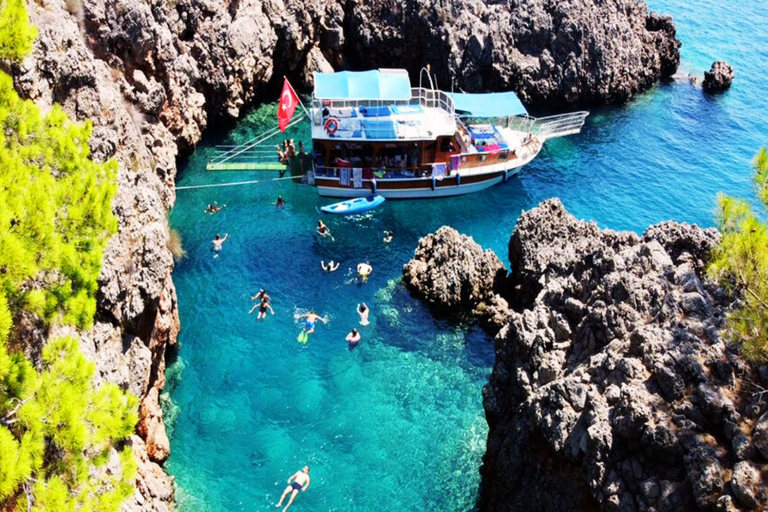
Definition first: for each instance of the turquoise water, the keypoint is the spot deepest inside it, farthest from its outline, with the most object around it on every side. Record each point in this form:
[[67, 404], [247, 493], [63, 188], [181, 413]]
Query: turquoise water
[[397, 423]]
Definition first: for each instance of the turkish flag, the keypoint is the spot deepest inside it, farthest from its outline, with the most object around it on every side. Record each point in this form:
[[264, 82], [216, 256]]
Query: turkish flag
[[288, 103]]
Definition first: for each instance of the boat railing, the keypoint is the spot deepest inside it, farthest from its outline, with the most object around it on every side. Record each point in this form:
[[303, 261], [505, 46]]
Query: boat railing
[[426, 98], [558, 125]]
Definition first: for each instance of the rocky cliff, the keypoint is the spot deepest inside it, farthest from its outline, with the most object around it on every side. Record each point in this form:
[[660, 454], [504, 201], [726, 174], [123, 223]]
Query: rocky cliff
[[150, 75], [612, 388]]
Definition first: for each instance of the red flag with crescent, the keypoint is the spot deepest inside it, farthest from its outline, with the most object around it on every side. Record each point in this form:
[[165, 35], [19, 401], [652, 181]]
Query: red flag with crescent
[[288, 103]]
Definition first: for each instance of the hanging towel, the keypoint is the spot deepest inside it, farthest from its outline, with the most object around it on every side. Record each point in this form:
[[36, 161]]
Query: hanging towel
[[357, 177], [438, 171], [455, 159], [344, 176]]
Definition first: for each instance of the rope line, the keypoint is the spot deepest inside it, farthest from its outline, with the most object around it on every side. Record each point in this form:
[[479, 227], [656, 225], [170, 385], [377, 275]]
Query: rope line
[[238, 183]]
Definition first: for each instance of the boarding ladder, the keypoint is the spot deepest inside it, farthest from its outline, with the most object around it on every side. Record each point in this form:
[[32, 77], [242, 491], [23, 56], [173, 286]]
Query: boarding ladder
[[251, 156], [557, 126]]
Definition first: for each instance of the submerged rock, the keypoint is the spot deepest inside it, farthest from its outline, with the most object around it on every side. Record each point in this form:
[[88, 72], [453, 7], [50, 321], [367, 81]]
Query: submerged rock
[[612, 387], [719, 78]]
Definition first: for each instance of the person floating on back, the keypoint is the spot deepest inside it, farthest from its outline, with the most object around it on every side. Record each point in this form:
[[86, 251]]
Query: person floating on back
[[218, 242], [363, 311], [299, 481], [364, 270], [332, 266]]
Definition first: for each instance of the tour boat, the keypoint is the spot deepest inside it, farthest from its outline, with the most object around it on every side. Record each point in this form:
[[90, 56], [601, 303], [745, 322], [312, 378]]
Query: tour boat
[[372, 133]]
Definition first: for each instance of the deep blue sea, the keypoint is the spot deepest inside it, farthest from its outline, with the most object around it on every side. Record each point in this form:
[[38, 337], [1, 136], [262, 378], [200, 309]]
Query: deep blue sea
[[397, 423]]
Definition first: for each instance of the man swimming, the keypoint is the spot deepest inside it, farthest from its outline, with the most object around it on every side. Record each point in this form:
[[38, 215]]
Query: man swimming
[[309, 323], [364, 270], [353, 338], [299, 481], [323, 230], [332, 266], [363, 311], [218, 242]]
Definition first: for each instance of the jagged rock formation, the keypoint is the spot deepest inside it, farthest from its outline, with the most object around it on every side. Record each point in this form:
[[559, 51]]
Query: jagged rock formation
[[719, 78], [612, 389], [151, 74]]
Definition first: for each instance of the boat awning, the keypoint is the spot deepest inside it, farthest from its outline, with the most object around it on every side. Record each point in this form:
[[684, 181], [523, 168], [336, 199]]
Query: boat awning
[[377, 84], [492, 104]]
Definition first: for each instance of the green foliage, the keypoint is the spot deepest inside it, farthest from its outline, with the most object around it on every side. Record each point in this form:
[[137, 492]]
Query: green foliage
[[16, 33], [741, 263], [58, 432], [55, 210]]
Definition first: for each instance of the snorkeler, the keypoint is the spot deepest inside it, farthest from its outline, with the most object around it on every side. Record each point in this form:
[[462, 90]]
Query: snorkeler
[[363, 311], [388, 236], [364, 270], [309, 323], [299, 481], [332, 266], [218, 242]]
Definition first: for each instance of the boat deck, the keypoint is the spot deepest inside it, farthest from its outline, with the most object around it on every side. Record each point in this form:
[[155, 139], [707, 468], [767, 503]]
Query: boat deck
[[383, 123]]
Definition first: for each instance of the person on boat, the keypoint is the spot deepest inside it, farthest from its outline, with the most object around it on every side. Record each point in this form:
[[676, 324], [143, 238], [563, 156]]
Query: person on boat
[[299, 481], [311, 319], [323, 230], [218, 242], [261, 295], [388, 236], [279, 204], [263, 306], [213, 208], [332, 266], [364, 270], [413, 157], [363, 310], [353, 338]]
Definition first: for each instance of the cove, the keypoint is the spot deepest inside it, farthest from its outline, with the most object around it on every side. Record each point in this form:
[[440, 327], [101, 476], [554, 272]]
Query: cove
[[398, 422]]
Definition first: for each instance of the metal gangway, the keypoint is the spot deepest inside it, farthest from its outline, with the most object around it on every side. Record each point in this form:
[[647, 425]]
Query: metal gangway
[[251, 156], [559, 125]]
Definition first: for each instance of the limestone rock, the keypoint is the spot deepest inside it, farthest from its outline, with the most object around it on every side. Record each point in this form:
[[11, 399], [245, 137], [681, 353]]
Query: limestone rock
[[719, 78], [612, 389]]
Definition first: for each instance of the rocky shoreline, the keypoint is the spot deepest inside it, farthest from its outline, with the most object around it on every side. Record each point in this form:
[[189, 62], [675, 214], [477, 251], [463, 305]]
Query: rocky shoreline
[[612, 388], [152, 76]]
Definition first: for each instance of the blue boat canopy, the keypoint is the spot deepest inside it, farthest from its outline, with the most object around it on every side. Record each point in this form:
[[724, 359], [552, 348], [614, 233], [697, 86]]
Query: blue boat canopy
[[377, 84], [492, 104]]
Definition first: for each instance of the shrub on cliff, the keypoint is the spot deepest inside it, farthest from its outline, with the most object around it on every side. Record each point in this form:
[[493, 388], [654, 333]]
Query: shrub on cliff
[[741, 262], [57, 430]]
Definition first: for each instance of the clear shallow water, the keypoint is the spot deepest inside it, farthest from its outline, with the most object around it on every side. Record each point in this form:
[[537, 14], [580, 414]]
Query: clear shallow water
[[386, 425]]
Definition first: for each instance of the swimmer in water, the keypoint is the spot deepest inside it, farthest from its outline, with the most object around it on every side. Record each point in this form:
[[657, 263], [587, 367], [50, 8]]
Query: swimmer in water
[[263, 306], [213, 208], [364, 270], [311, 319], [262, 295], [332, 266], [353, 338], [279, 204], [299, 481], [218, 242], [323, 230], [388, 236], [363, 311]]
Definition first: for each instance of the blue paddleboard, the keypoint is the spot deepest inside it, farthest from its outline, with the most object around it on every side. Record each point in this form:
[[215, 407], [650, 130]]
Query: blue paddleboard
[[357, 205]]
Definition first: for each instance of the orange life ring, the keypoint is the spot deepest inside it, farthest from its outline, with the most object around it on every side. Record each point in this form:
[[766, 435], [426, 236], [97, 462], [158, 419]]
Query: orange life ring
[[331, 125]]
